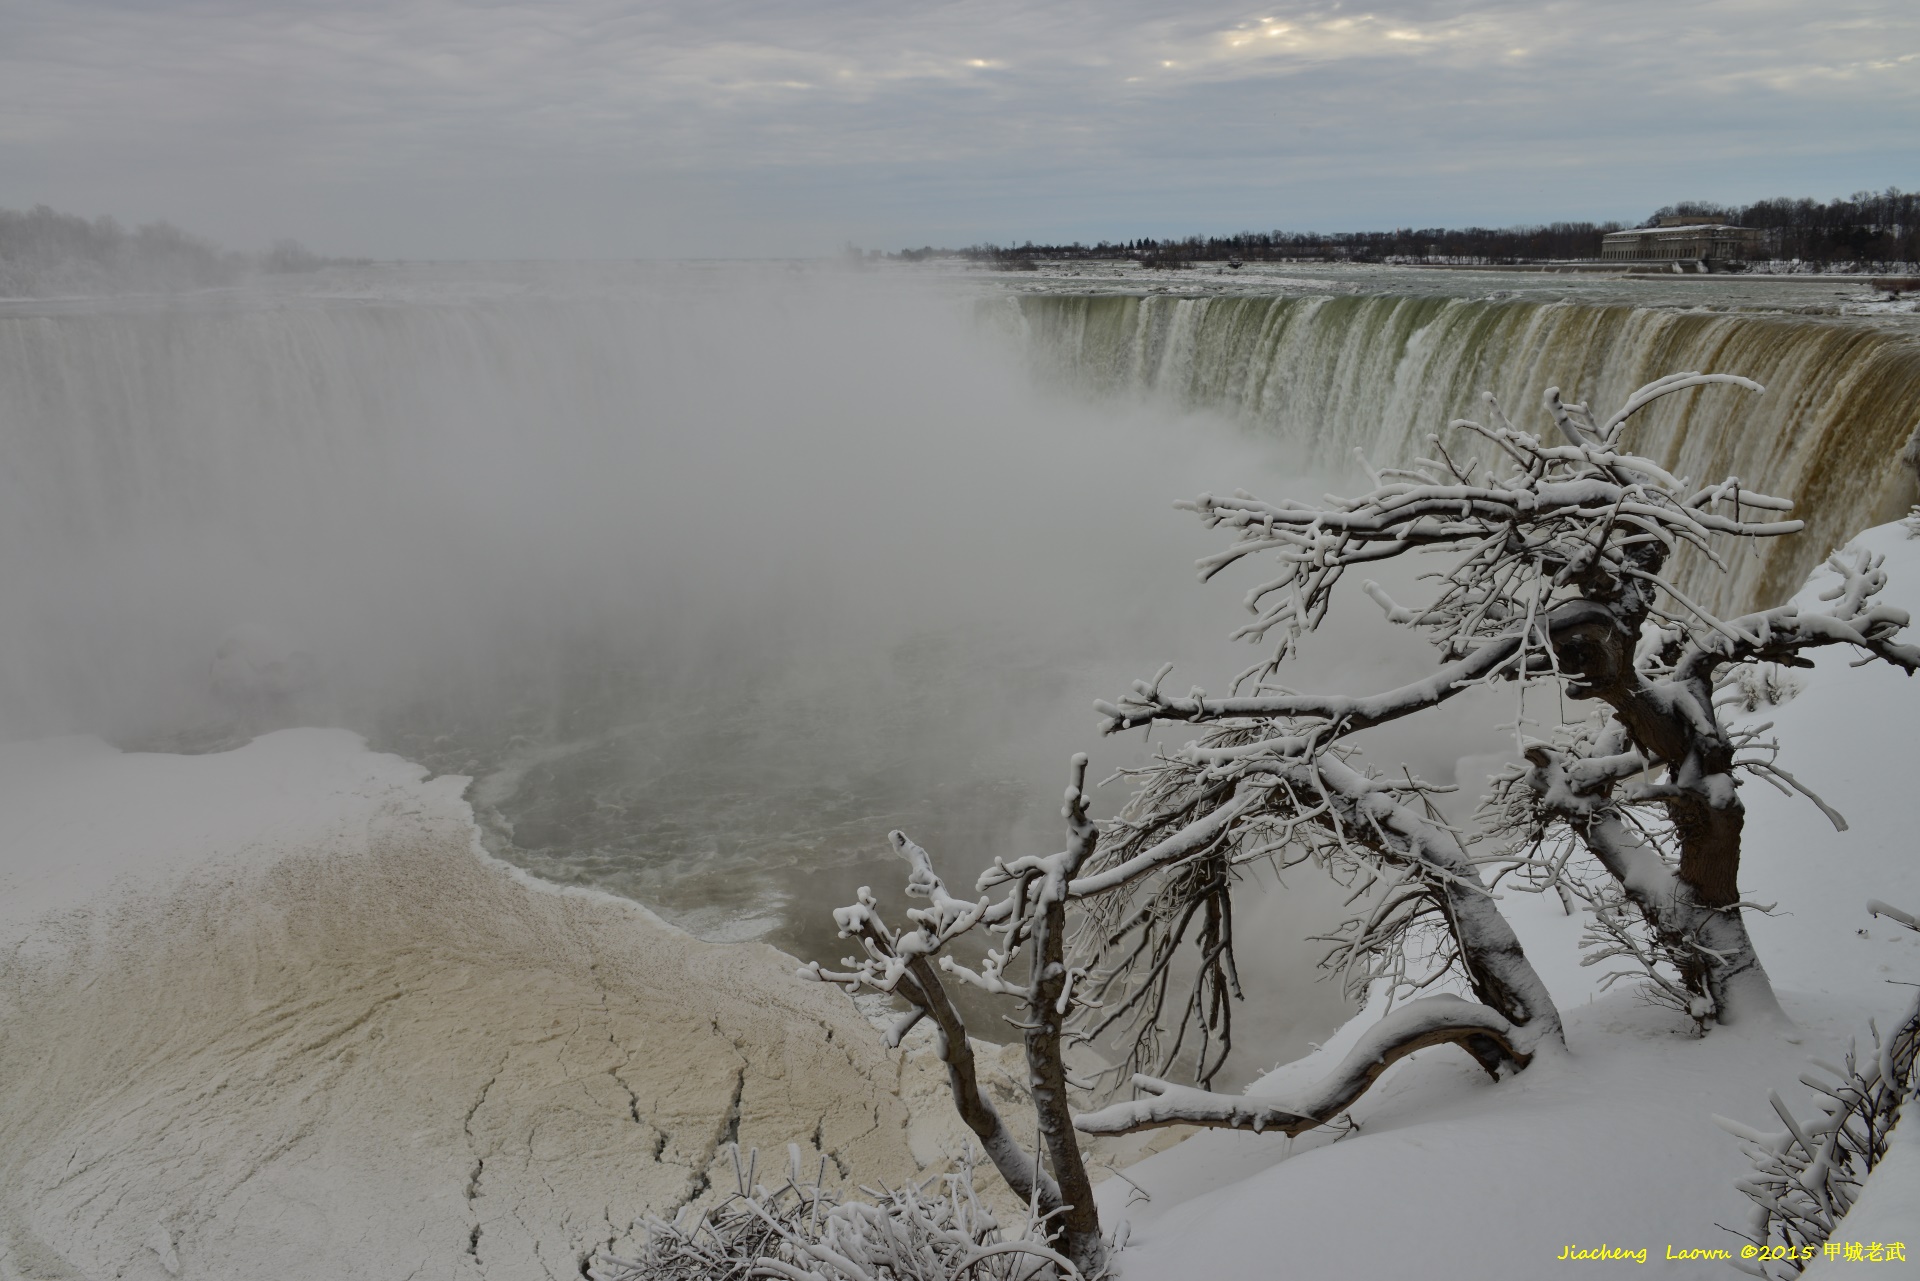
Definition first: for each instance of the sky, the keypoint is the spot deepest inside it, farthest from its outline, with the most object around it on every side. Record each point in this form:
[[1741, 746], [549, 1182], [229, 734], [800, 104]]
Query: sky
[[607, 128]]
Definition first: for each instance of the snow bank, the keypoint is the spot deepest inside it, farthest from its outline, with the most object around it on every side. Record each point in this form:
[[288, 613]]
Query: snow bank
[[271, 1012], [1449, 1175]]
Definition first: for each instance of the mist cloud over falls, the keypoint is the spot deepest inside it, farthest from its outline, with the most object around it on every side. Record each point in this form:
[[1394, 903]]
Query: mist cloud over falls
[[709, 576], [505, 520]]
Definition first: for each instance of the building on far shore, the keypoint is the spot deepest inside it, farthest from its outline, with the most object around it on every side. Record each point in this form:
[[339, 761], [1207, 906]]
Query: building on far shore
[[1684, 240]]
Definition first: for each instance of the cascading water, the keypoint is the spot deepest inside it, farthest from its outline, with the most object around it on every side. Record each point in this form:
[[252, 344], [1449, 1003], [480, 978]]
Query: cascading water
[[1329, 375]]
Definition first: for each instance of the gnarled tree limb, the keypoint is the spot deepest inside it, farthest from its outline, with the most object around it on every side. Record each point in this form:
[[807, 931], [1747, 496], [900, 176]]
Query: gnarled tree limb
[[1433, 1020]]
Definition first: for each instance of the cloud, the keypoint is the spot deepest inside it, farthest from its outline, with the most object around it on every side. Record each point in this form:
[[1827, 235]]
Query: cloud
[[429, 126]]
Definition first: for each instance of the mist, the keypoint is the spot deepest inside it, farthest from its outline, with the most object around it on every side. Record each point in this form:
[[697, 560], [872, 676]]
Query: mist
[[707, 575]]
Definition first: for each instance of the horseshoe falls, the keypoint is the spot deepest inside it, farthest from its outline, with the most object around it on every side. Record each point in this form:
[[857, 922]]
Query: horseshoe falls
[[709, 576], [1377, 374]]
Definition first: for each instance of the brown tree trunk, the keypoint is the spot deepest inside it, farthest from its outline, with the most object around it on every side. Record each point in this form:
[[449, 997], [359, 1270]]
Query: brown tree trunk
[[1023, 1175], [1080, 1222], [1705, 809]]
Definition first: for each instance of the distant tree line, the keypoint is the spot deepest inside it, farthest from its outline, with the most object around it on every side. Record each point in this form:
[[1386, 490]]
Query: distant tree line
[[44, 252], [1431, 244], [1866, 228]]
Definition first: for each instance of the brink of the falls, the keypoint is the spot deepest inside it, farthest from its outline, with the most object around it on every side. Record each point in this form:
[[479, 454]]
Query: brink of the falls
[[1332, 375]]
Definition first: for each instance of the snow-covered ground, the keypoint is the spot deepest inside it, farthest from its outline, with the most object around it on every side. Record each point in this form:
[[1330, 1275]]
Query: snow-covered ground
[[1451, 1176], [1890, 1205], [272, 1012]]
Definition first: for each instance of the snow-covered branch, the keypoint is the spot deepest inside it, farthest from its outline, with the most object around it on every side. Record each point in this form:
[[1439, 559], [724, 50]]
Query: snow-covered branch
[[799, 1229], [1780, 635], [1031, 917], [1807, 1176], [1433, 1020], [1558, 514], [1146, 703]]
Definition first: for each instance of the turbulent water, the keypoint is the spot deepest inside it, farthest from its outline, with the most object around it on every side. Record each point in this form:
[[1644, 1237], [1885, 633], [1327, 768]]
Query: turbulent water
[[1331, 375], [709, 576]]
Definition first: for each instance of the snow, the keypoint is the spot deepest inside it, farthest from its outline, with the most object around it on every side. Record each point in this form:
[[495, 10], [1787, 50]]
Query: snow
[[1449, 1175], [82, 818], [272, 1011]]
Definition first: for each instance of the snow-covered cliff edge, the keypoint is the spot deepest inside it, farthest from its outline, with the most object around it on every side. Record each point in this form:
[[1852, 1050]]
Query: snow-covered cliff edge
[[271, 1012]]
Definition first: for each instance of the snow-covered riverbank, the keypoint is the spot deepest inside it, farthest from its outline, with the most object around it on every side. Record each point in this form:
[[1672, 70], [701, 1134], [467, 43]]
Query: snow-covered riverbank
[[272, 1012]]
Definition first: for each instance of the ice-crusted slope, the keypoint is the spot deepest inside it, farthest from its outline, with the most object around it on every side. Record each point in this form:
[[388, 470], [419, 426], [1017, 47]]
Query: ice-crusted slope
[[1449, 1176], [271, 1013]]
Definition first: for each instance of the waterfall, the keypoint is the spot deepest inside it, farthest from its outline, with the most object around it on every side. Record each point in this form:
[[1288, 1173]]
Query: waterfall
[[1332, 374], [708, 575], [712, 576], [348, 474]]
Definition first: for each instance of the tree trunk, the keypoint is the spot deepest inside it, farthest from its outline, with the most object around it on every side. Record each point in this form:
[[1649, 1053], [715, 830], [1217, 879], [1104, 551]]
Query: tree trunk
[[1700, 798], [1023, 1175], [1047, 1078]]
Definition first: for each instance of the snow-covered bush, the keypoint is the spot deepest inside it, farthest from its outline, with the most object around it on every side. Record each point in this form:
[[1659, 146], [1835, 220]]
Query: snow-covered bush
[[1807, 1176], [802, 1230]]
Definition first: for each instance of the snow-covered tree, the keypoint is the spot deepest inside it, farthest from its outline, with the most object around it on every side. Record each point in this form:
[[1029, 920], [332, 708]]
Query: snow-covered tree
[[1556, 567], [1031, 917], [1553, 566]]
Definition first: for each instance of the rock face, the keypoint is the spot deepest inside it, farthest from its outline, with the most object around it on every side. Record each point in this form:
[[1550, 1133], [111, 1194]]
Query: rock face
[[373, 1052]]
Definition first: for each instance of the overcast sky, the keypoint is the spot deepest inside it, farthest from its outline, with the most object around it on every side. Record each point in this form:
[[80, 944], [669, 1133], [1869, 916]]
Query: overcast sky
[[443, 128]]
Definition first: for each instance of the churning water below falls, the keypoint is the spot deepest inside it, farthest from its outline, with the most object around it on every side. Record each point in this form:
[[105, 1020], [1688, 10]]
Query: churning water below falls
[[712, 574]]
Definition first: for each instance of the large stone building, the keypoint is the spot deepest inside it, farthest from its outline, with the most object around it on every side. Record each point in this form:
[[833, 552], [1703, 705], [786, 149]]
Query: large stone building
[[1684, 240]]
